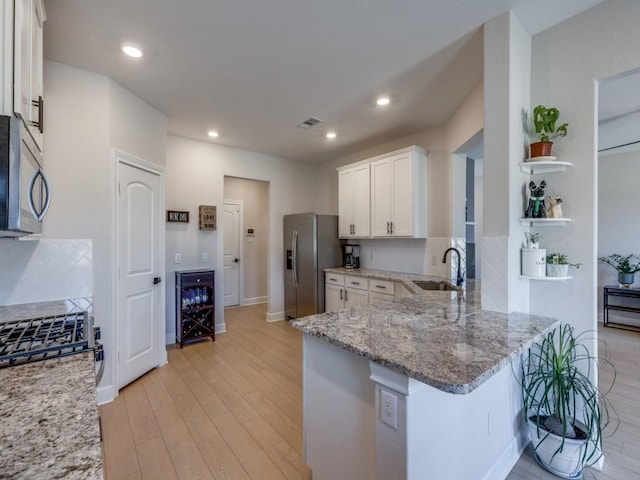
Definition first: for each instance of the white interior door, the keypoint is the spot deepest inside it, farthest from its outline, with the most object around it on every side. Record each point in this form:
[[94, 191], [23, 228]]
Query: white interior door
[[231, 227], [138, 306]]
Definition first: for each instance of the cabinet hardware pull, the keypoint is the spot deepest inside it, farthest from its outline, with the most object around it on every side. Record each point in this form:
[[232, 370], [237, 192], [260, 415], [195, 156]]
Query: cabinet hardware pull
[[355, 283], [40, 105], [345, 295], [381, 286], [388, 228], [333, 279], [340, 294], [391, 227]]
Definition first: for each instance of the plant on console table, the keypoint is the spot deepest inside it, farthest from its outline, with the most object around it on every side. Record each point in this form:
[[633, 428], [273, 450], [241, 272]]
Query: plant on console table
[[544, 121], [565, 410], [625, 265], [558, 265]]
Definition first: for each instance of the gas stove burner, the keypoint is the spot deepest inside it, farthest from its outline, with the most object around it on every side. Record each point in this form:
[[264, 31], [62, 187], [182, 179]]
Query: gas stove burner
[[23, 341]]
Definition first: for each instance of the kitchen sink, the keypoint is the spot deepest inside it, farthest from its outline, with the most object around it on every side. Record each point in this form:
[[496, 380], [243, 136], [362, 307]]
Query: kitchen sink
[[436, 285]]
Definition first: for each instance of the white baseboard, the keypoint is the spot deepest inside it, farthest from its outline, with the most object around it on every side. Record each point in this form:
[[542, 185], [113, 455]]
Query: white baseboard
[[275, 316], [509, 457], [253, 301], [220, 328], [105, 394]]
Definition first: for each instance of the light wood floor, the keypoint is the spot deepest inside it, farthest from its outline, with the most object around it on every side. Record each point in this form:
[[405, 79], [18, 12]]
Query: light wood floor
[[232, 409], [229, 409]]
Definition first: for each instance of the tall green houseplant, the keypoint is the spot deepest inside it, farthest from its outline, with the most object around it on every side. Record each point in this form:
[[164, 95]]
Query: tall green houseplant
[[566, 411]]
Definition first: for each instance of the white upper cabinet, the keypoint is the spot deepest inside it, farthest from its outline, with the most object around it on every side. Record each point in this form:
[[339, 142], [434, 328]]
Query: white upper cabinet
[[29, 18], [398, 193], [354, 202], [6, 58], [384, 196]]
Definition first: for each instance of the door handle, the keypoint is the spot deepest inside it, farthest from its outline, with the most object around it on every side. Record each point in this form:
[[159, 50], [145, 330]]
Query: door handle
[[294, 250], [156, 280], [235, 260]]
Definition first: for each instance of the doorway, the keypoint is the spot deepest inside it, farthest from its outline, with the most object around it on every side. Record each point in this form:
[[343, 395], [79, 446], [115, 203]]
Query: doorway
[[246, 234], [468, 205], [139, 292], [232, 221], [618, 219]]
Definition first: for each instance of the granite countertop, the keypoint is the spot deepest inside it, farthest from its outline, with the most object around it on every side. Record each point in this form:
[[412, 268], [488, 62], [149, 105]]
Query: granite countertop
[[49, 427], [442, 339], [41, 309]]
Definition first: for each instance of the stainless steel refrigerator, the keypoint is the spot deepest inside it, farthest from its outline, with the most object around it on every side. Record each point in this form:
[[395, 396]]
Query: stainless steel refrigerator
[[311, 244]]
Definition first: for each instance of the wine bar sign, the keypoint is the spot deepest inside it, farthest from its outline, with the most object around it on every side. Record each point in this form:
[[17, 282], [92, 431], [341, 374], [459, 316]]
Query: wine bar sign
[[176, 216]]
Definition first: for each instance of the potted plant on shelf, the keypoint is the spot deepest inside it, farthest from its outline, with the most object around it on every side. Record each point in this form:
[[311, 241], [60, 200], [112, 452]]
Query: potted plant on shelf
[[565, 410], [533, 239], [544, 121], [558, 265], [625, 266]]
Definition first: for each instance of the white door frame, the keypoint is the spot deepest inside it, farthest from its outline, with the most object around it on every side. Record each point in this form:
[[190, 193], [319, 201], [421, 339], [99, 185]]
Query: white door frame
[[240, 205], [119, 158]]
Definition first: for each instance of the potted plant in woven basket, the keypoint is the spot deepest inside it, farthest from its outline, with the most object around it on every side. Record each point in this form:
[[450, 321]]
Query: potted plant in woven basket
[[544, 121], [565, 409], [625, 265]]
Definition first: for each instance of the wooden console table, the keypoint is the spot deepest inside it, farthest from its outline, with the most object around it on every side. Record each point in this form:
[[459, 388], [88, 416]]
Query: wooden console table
[[613, 291]]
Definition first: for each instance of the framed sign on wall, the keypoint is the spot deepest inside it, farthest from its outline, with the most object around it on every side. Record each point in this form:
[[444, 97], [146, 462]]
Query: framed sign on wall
[[177, 216], [207, 217]]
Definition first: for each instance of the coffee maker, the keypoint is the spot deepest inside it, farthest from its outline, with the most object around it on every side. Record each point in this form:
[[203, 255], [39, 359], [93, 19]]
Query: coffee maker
[[351, 256]]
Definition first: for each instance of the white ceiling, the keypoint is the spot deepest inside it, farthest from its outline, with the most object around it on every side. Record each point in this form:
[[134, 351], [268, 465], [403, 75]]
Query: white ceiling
[[254, 69]]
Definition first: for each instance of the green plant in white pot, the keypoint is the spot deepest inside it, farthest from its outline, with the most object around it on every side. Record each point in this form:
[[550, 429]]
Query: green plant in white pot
[[558, 265], [565, 410], [544, 121]]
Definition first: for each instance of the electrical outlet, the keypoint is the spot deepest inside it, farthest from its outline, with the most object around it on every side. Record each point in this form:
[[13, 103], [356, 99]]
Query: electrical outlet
[[389, 408], [204, 257], [177, 258]]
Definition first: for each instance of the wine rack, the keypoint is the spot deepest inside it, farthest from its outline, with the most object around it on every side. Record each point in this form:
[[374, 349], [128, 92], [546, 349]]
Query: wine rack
[[195, 306]]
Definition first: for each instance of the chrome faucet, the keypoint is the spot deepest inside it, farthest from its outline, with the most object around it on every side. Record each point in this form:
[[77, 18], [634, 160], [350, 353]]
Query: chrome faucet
[[459, 278]]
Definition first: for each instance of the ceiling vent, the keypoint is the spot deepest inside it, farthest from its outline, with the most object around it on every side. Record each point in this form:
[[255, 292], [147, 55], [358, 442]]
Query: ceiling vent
[[309, 122]]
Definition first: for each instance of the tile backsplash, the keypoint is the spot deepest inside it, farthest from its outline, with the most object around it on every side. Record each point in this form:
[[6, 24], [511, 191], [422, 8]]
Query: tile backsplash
[[42, 270]]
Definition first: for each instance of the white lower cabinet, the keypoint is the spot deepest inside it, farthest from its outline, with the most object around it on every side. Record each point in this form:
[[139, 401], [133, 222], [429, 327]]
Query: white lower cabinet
[[380, 290], [343, 291]]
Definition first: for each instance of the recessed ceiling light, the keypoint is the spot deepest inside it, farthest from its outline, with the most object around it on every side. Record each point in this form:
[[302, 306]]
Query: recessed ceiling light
[[132, 51], [331, 135], [212, 134], [383, 101]]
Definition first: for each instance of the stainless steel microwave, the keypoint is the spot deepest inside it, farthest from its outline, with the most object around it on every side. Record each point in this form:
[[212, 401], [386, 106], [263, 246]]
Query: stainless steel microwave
[[24, 191]]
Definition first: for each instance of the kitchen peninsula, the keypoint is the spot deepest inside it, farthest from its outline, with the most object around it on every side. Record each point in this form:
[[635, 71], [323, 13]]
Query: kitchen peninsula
[[413, 388]]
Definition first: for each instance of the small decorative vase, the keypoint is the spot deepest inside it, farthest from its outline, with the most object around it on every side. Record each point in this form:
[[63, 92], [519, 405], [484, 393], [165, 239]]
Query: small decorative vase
[[541, 149], [626, 279]]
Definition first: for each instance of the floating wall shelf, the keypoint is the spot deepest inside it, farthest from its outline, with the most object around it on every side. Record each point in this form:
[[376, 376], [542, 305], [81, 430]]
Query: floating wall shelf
[[544, 222], [546, 279], [544, 166]]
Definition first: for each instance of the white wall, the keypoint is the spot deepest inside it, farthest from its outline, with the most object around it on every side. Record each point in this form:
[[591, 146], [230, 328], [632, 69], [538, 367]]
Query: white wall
[[254, 196], [507, 82], [87, 116], [568, 60], [196, 171]]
